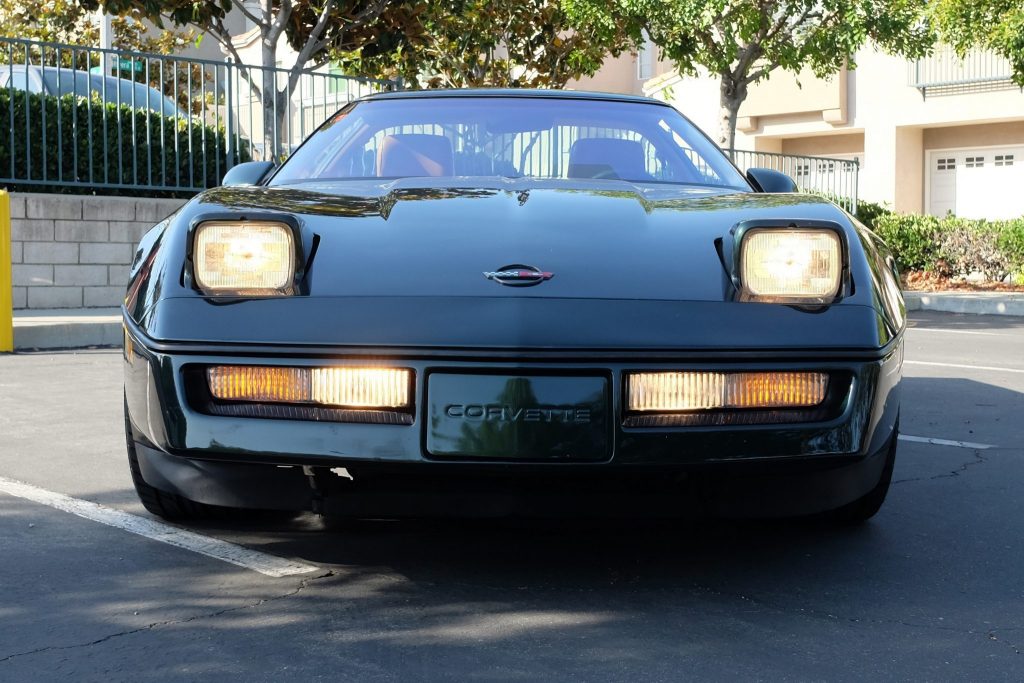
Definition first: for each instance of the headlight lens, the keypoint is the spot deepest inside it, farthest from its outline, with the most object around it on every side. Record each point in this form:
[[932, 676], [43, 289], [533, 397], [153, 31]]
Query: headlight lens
[[791, 264], [248, 258]]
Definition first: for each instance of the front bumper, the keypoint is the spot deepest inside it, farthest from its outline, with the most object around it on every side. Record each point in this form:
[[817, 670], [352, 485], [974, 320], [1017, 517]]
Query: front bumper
[[254, 462]]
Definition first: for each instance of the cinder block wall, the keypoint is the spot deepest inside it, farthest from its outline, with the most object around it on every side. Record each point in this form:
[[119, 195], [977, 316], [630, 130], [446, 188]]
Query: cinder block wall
[[74, 251]]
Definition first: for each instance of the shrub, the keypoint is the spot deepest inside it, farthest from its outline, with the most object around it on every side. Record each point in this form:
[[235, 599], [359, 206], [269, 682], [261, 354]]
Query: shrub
[[73, 139], [868, 213], [913, 239], [1011, 242], [955, 247], [968, 246]]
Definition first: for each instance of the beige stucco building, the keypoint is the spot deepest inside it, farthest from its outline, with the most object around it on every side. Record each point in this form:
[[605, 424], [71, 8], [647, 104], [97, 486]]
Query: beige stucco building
[[936, 135]]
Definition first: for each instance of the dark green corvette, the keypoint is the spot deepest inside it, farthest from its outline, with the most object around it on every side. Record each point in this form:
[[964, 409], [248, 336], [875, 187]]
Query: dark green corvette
[[511, 302]]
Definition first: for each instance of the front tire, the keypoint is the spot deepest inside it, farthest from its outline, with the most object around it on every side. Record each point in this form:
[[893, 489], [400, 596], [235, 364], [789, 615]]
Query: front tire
[[169, 506]]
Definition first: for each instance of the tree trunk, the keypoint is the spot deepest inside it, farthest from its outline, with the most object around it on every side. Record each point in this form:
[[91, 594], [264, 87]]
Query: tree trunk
[[732, 93], [269, 97]]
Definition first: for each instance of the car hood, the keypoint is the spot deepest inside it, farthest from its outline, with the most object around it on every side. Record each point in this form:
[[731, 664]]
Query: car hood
[[599, 239]]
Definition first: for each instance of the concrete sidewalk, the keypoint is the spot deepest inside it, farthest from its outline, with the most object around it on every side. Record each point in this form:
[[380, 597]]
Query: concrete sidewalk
[[80, 328], [72, 328]]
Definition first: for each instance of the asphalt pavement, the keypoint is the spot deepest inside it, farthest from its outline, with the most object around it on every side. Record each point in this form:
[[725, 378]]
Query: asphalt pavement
[[931, 589]]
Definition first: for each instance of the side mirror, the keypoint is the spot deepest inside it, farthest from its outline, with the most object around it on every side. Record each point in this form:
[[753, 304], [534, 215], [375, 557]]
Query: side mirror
[[768, 180], [249, 173]]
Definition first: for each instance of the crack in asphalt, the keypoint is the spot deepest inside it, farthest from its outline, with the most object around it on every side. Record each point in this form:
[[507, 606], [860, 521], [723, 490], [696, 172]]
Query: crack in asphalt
[[979, 459], [812, 613], [989, 633], [171, 622]]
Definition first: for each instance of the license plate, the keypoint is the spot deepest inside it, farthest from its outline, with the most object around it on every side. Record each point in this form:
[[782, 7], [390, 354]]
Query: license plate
[[518, 417]]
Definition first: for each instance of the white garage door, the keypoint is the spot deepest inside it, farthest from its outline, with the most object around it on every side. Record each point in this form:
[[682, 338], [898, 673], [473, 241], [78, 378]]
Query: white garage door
[[976, 183]]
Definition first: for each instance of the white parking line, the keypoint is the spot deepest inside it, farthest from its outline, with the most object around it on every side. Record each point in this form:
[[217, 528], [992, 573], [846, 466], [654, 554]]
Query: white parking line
[[263, 563], [964, 366], [943, 329], [946, 442]]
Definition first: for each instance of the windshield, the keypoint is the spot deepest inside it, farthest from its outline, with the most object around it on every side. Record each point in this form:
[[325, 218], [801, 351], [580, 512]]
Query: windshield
[[546, 138]]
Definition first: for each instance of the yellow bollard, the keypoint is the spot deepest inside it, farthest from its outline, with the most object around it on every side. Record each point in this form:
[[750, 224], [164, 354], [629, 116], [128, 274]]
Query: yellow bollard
[[6, 282]]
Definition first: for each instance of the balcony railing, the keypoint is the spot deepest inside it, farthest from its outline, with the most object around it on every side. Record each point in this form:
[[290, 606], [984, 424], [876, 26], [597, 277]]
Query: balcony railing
[[826, 176], [945, 71]]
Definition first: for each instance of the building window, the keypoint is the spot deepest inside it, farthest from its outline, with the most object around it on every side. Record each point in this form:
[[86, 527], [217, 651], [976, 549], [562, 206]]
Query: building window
[[645, 59], [947, 164], [974, 162], [336, 84], [1004, 160], [803, 170]]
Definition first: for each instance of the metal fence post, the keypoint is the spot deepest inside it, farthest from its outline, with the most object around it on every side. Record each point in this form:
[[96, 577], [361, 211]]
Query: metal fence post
[[229, 118], [853, 193], [6, 279]]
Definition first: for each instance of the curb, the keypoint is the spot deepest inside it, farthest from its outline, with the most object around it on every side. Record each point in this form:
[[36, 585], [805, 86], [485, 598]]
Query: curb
[[67, 329], [974, 303]]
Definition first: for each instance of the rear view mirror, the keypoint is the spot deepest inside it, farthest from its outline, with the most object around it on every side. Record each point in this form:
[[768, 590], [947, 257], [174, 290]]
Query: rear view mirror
[[769, 180], [248, 173]]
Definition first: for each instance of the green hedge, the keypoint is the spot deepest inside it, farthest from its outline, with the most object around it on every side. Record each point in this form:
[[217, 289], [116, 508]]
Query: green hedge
[[951, 246], [869, 212], [91, 143]]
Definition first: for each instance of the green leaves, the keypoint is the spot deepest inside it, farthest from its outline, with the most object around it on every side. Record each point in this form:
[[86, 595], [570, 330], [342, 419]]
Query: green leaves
[[743, 41], [951, 246], [68, 21], [522, 43], [995, 24]]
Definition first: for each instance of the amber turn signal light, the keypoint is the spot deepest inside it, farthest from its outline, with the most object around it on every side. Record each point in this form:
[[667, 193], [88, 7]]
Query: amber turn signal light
[[343, 387]]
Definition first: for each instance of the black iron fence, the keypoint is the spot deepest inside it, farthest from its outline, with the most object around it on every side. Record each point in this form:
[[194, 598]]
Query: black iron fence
[[83, 118]]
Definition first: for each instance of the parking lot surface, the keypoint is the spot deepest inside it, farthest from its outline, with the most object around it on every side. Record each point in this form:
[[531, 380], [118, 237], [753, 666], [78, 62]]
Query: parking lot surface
[[932, 588]]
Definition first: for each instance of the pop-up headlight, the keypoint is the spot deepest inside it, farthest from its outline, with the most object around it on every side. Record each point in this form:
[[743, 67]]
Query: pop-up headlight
[[791, 265], [246, 258]]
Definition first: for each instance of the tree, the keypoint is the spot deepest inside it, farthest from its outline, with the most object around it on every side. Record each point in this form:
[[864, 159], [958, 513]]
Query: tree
[[744, 41], [995, 24], [474, 43], [67, 21], [315, 29]]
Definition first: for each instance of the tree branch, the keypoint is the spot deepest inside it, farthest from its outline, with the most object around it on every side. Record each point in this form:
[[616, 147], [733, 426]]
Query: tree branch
[[761, 72], [371, 13], [223, 36], [240, 6], [313, 45], [313, 42], [276, 27]]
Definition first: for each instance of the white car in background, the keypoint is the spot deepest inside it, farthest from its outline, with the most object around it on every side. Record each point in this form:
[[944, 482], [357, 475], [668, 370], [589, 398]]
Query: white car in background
[[51, 80]]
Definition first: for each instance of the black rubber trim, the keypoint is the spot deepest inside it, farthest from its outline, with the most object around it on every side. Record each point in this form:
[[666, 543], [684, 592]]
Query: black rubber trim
[[726, 418]]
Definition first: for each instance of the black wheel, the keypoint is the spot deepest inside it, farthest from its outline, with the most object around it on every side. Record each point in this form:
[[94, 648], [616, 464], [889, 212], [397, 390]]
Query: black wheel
[[865, 507], [169, 506]]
